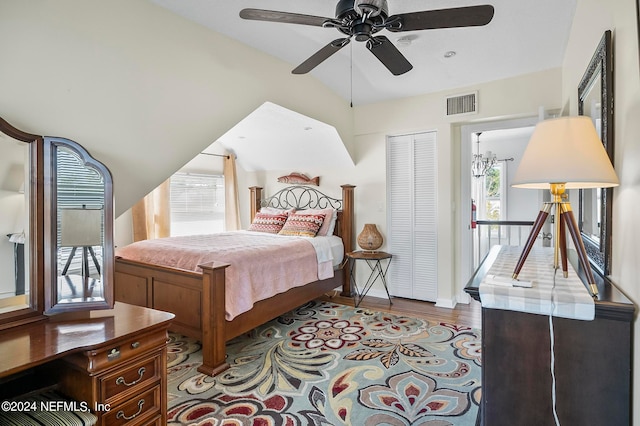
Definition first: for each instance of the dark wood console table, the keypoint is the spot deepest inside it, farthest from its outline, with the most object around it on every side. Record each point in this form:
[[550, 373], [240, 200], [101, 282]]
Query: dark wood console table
[[113, 359], [592, 361]]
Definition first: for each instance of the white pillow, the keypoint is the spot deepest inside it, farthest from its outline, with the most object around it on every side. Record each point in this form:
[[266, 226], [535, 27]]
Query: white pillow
[[273, 210]]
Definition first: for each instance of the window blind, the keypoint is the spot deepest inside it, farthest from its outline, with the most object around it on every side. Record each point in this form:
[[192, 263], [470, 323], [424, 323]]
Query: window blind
[[77, 186], [197, 203]]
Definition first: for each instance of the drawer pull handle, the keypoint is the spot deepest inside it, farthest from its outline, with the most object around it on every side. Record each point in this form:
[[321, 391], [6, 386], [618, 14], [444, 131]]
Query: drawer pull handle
[[135, 345], [120, 380], [120, 414]]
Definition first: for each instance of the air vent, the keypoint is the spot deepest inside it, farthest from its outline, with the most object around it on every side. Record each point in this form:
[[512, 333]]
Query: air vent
[[462, 104]]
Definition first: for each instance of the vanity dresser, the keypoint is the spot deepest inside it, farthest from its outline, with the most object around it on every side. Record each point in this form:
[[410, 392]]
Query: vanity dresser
[[62, 337], [112, 362]]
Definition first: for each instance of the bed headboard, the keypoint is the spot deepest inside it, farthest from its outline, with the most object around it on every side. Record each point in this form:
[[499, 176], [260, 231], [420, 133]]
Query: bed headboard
[[303, 197]]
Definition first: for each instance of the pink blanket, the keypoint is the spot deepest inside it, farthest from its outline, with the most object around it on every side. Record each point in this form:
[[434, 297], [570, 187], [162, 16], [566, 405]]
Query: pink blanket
[[262, 265]]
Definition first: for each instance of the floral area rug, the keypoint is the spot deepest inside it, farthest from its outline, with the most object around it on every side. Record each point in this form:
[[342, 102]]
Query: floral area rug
[[330, 364]]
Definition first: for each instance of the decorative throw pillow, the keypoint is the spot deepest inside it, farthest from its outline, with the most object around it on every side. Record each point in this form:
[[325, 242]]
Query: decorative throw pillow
[[302, 225], [329, 223], [270, 223]]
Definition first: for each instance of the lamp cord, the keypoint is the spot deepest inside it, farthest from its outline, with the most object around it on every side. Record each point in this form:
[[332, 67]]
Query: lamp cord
[[553, 358]]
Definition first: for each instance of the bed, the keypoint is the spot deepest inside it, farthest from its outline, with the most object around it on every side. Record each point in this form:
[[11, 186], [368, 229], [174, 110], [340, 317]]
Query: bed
[[197, 297]]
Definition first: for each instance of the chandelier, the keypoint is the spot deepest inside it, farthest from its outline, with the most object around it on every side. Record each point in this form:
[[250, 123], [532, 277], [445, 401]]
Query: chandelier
[[480, 163]]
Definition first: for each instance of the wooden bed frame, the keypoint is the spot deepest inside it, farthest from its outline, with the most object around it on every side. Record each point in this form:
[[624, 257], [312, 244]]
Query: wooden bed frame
[[197, 299]]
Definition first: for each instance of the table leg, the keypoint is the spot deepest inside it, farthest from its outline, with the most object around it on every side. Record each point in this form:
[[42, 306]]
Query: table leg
[[383, 275], [376, 272]]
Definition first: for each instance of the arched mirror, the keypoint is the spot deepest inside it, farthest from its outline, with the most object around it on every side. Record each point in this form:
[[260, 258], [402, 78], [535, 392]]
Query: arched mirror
[[21, 227], [595, 99], [78, 229]]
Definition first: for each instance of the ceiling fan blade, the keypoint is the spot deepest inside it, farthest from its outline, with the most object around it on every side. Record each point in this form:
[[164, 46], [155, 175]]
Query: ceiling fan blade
[[471, 16], [284, 17], [322, 54], [389, 55]]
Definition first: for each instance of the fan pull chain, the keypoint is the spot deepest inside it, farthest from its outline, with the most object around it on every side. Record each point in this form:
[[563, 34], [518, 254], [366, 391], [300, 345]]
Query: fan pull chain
[[351, 74]]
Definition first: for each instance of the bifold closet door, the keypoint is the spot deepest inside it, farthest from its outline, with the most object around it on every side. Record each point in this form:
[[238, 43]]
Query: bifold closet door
[[412, 215]]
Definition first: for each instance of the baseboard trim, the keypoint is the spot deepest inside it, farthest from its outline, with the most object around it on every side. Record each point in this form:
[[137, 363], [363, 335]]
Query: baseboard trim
[[378, 292], [446, 303]]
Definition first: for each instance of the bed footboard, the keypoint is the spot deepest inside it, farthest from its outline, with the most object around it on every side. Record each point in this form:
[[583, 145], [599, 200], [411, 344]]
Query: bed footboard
[[196, 299]]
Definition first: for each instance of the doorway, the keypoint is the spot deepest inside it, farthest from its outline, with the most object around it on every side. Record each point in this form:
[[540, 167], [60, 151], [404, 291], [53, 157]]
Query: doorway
[[490, 192]]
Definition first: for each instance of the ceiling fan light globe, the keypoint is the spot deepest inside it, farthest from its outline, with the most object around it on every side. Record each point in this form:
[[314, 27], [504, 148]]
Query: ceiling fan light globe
[[370, 7]]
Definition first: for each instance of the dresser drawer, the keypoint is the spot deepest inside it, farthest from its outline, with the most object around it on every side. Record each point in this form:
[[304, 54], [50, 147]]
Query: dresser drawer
[[107, 356], [154, 422], [139, 409], [129, 379]]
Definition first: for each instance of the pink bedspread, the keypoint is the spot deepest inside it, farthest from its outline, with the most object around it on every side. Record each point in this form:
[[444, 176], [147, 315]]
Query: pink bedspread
[[261, 265]]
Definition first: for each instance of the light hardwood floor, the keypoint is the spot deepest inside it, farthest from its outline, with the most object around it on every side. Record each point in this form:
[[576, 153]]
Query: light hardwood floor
[[462, 314]]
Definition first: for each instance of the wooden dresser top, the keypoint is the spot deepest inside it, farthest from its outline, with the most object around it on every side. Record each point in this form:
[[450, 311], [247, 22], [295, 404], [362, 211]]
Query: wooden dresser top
[[27, 346]]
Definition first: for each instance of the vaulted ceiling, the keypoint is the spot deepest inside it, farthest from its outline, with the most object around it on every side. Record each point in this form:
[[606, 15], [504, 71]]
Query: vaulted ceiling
[[275, 138], [524, 36]]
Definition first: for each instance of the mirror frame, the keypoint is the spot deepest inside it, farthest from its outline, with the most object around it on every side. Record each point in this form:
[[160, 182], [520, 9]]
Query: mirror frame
[[52, 306], [36, 231], [601, 65]]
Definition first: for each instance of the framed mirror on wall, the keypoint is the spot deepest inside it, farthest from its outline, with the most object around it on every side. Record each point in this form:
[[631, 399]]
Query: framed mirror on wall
[[78, 229], [595, 99]]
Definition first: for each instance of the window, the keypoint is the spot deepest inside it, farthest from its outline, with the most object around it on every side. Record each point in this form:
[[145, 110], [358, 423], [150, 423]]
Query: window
[[197, 204], [493, 191], [75, 181]]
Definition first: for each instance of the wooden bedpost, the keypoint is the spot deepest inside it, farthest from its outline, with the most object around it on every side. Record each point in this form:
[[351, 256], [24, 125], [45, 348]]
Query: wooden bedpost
[[256, 199], [213, 319], [347, 233]]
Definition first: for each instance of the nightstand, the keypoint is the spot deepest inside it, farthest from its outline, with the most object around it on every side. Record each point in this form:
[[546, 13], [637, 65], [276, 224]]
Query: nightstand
[[375, 261]]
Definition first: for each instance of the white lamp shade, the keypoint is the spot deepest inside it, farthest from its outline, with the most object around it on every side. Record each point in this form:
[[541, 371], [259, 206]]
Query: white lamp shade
[[565, 150], [80, 227]]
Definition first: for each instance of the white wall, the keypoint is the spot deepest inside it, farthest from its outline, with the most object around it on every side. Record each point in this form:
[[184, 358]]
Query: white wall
[[511, 98], [593, 17], [142, 89]]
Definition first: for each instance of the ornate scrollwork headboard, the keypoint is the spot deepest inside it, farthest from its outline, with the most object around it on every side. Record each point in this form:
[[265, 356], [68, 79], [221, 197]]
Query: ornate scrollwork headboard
[[301, 198]]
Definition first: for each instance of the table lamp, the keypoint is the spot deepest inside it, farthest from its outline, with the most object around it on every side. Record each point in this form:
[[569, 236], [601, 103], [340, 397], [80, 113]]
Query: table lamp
[[563, 153]]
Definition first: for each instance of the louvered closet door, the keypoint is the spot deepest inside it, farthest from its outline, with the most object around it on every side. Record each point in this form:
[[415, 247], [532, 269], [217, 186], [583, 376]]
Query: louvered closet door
[[411, 215]]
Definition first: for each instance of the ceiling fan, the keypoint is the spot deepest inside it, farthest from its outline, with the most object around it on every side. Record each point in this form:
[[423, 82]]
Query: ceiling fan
[[363, 18]]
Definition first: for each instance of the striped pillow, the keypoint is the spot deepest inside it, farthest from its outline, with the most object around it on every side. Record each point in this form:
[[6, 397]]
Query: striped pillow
[[269, 223], [302, 225]]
